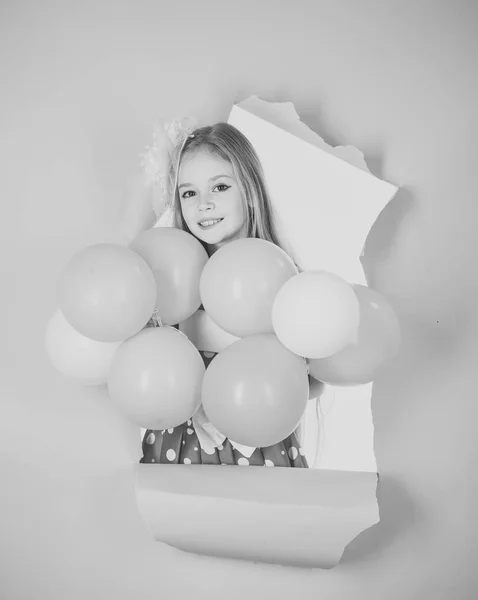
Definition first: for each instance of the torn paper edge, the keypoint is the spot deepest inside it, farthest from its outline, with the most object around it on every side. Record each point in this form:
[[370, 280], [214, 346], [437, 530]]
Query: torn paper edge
[[200, 538], [299, 517]]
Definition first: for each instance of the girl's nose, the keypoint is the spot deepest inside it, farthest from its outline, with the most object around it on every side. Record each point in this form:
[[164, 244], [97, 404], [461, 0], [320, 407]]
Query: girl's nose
[[205, 200]]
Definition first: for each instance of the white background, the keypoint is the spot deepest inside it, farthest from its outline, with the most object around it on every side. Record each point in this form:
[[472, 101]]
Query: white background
[[82, 83]]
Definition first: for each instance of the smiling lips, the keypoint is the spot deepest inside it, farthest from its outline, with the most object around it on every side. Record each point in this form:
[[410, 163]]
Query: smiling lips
[[209, 222]]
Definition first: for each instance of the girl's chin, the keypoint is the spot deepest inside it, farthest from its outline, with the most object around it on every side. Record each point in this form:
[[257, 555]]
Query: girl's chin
[[209, 235], [211, 240]]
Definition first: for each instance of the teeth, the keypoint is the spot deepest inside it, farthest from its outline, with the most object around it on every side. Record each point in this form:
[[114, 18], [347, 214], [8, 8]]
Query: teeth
[[206, 223]]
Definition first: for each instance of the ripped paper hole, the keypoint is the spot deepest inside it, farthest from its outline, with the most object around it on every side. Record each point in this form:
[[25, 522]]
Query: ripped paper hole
[[325, 202]]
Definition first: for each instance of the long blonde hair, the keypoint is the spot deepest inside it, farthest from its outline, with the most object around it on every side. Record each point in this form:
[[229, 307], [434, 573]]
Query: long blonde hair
[[227, 143]]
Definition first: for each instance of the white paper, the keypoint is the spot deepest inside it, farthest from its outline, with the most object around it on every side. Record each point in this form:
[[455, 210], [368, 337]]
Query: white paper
[[301, 517], [325, 202]]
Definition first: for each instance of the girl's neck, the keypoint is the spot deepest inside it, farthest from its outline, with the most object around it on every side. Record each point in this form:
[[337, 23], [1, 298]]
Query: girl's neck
[[212, 248]]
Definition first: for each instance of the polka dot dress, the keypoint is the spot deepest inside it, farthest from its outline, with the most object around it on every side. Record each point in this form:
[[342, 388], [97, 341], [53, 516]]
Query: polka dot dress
[[180, 445]]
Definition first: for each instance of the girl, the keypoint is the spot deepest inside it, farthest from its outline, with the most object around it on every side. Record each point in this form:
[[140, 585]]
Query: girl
[[218, 195]]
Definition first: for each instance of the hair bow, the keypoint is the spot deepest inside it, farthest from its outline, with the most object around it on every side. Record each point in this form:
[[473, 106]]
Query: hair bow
[[157, 161]]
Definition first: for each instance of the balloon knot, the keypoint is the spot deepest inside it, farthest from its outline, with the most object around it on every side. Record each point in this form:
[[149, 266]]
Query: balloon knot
[[156, 319]]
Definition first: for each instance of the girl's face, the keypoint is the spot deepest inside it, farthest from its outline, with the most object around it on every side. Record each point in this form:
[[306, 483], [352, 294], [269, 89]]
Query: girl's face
[[209, 192]]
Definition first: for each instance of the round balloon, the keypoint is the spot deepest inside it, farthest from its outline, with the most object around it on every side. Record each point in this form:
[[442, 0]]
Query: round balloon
[[76, 356], [377, 342], [176, 259], [107, 292], [155, 378], [315, 314], [239, 283], [255, 391], [205, 334]]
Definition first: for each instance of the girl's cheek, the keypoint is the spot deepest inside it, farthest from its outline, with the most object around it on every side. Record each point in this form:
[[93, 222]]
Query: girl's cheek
[[188, 216]]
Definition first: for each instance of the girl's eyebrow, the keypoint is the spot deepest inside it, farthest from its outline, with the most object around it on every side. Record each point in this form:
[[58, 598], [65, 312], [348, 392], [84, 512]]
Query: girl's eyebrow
[[212, 179], [218, 176]]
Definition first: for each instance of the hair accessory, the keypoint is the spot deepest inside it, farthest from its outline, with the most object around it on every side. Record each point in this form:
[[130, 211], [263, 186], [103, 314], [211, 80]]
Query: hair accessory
[[157, 160], [179, 129]]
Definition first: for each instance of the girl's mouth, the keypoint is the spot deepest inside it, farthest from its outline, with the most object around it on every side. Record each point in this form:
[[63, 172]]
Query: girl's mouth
[[209, 224]]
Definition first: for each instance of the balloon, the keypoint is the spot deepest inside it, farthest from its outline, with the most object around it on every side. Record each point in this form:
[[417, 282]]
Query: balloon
[[75, 355], [377, 342], [205, 334], [255, 391], [315, 314], [107, 292], [155, 378], [239, 283], [177, 259]]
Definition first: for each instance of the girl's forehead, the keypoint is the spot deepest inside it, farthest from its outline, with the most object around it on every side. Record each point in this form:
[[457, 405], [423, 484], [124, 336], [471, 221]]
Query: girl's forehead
[[204, 164]]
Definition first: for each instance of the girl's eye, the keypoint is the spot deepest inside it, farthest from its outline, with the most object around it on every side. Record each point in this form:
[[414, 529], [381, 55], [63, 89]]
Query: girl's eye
[[223, 185]]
